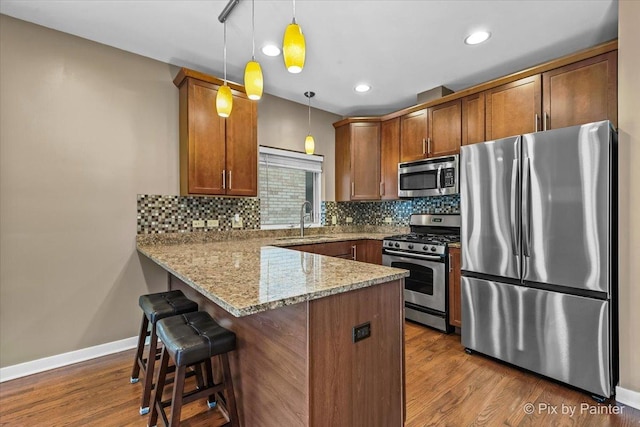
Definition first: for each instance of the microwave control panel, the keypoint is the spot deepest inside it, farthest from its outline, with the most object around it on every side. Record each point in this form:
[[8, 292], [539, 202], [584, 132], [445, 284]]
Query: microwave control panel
[[449, 177]]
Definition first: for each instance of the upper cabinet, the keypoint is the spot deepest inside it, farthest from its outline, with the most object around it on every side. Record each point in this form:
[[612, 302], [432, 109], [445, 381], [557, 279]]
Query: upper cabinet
[[413, 135], [389, 158], [445, 129], [473, 119], [217, 156], [431, 132], [582, 92], [358, 161], [513, 108]]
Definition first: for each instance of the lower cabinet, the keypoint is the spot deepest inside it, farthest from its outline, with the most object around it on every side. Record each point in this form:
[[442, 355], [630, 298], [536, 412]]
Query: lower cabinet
[[455, 300], [358, 250]]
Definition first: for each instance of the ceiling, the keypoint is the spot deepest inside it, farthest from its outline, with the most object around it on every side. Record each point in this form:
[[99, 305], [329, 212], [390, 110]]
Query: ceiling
[[401, 48]]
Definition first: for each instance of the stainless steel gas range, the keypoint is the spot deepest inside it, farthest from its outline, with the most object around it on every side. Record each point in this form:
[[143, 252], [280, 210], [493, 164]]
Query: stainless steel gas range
[[424, 252]]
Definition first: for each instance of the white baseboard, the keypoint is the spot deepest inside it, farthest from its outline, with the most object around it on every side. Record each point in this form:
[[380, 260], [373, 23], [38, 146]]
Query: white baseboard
[[57, 361], [628, 397]]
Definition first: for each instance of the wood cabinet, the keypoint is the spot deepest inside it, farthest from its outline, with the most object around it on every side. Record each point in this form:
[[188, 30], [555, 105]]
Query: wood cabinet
[[389, 158], [413, 135], [445, 129], [217, 156], [455, 299], [513, 108], [357, 250], [473, 119], [358, 161], [432, 132], [582, 92]]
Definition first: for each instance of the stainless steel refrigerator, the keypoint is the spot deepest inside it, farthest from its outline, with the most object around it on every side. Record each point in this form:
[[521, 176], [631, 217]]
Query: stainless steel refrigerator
[[539, 253]]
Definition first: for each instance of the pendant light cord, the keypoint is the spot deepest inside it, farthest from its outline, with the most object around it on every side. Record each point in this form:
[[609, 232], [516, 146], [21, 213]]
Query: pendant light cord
[[253, 30], [294, 11], [309, 112], [224, 52]]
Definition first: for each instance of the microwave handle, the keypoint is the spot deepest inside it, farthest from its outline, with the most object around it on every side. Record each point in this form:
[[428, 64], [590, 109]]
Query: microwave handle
[[438, 179]]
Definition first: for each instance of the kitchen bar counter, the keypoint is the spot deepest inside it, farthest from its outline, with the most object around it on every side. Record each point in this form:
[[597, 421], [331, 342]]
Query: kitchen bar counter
[[253, 275], [319, 339]]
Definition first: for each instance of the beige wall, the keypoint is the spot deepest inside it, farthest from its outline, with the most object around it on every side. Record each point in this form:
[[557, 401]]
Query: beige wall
[[83, 129], [284, 124], [629, 145]]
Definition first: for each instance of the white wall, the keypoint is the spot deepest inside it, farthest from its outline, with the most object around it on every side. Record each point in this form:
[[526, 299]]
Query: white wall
[[629, 145], [84, 128]]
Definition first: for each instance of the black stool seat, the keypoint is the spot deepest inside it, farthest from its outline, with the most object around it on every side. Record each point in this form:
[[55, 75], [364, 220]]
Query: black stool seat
[[165, 304], [194, 337]]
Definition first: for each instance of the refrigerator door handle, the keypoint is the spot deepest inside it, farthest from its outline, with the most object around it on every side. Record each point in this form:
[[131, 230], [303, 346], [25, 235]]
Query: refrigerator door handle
[[515, 235], [526, 208]]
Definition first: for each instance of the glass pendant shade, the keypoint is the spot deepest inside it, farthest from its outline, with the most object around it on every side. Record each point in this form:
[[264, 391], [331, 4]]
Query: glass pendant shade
[[309, 145], [293, 48], [224, 101], [253, 82]]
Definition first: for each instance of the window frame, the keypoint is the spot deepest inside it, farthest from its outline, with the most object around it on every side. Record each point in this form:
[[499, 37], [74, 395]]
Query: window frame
[[278, 157]]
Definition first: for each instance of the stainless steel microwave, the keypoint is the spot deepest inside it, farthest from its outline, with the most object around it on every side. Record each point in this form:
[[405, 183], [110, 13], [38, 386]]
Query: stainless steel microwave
[[436, 176]]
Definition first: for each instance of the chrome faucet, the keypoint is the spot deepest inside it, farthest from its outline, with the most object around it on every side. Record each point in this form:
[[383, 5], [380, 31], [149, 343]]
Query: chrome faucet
[[306, 202]]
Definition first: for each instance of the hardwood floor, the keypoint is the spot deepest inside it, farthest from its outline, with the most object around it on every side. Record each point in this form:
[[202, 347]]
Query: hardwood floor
[[445, 387]]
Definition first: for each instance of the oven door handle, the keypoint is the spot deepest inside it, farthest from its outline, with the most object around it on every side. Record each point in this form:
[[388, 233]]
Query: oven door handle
[[408, 255]]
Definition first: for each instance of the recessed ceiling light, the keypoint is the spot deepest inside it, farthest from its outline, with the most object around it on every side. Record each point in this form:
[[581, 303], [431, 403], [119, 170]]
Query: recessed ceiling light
[[477, 37], [271, 50], [362, 88]]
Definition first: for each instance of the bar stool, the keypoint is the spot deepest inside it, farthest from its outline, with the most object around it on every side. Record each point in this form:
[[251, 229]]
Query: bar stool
[[190, 340], [155, 307]]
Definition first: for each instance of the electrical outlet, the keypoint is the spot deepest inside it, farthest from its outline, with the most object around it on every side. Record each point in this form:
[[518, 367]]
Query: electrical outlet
[[388, 220], [349, 220], [197, 223], [361, 332], [236, 221], [334, 220], [213, 223]]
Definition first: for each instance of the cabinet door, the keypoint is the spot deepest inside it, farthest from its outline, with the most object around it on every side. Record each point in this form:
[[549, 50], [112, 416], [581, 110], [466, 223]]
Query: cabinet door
[[473, 119], [413, 136], [202, 140], [580, 93], [389, 158], [373, 251], [365, 161], [513, 108], [445, 129], [455, 300], [242, 148], [343, 163]]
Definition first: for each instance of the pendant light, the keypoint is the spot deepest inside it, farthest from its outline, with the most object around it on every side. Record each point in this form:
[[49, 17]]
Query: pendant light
[[293, 46], [309, 143], [224, 99], [253, 82]]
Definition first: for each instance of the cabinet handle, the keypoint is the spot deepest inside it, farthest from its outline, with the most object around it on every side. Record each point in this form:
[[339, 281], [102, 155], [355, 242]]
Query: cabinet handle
[[381, 188], [449, 262], [424, 146], [545, 121], [353, 188], [224, 179], [428, 145], [354, 252], [535, 122], [229, 180]]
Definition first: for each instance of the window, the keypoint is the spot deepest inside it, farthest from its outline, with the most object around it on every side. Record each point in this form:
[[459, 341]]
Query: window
[[286, 180]]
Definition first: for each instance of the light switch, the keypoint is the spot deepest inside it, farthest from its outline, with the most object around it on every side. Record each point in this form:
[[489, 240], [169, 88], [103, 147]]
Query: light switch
[[213, 223], [197, 223]]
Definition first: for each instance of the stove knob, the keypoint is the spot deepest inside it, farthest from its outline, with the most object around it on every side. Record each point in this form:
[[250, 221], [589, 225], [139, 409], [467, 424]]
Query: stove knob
[[390, 244], [425, 248], [410, 246], [397, 245], [433, 248]]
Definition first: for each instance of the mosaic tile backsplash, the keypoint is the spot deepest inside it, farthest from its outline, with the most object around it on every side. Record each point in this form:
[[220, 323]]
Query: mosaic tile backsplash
[[175, 214], [374, 213]]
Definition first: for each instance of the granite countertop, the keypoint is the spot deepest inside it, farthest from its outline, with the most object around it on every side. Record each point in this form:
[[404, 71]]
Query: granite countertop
[[251, 275]]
